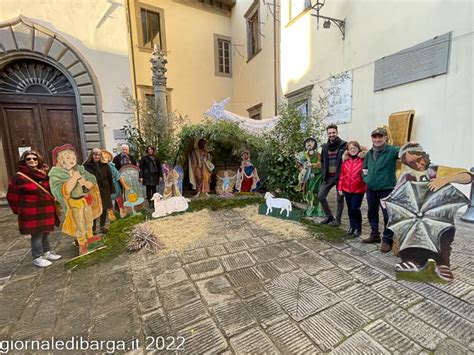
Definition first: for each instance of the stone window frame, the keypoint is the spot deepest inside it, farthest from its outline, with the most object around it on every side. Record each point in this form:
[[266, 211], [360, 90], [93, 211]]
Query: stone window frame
[[252, 12], [301, 96], [294, 17], [146, 91], [254, 111], [217, 72], [161, 12]]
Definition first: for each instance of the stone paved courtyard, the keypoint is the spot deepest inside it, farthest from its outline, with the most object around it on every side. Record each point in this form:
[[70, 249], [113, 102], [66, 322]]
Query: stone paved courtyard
[[240, 290]]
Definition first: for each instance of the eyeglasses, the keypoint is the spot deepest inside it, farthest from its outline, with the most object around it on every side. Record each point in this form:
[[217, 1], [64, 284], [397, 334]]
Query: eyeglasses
[[29, 159], [97, 153]]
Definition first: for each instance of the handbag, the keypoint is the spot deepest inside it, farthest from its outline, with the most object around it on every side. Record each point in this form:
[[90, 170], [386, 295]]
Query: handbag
[[57, 206]]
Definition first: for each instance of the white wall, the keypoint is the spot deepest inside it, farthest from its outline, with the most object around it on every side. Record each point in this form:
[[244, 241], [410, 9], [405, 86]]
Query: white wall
[[444, 112]]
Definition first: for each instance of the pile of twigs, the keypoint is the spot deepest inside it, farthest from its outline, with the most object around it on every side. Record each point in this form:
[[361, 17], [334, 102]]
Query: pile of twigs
[[142, 236]]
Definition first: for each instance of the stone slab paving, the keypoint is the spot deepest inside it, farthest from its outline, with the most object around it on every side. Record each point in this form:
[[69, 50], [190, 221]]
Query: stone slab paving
[[240, 290]]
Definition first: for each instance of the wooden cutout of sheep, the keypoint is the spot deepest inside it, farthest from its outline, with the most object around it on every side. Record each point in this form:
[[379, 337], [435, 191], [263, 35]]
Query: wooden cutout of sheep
[[168, 206], [282, 203]]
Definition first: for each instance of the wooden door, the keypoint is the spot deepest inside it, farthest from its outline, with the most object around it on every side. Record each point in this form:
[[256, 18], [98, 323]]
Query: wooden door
[[59, 124], [38, 121]]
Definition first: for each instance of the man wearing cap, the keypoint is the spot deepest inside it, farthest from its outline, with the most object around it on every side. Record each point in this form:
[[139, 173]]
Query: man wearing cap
[[379, 175], [331, 161]]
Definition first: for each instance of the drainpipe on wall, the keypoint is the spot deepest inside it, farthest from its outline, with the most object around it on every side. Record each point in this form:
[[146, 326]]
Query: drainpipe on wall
[[276, 59], [135, 91]]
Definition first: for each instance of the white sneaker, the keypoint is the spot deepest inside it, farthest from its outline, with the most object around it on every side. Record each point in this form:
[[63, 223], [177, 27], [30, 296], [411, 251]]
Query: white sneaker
[[51, 255], [41, 262]]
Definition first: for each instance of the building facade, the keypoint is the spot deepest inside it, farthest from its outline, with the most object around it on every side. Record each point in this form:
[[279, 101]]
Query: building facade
[[63, 65]]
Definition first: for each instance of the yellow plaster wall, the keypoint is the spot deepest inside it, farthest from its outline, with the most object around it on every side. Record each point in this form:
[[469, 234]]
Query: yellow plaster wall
[[253, 81], [190, 44]]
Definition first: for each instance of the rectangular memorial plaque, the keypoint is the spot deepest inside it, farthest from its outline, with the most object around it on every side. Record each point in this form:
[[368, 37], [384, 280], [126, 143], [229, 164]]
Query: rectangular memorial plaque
[[339, 98], [119, 134], [427, 59]]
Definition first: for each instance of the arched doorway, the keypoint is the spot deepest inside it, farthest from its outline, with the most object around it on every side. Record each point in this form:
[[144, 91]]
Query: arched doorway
[[37, 110], [23, 44]]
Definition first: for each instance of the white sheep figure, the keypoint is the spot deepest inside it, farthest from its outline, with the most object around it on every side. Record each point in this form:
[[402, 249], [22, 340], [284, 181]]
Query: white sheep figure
[[282, 203], [168, 206]]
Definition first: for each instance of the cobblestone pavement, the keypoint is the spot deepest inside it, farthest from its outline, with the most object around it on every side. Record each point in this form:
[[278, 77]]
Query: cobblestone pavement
[[240, 290]]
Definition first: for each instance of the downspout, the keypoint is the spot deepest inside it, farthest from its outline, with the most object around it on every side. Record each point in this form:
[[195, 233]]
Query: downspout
[[275, 56], [135, 91]]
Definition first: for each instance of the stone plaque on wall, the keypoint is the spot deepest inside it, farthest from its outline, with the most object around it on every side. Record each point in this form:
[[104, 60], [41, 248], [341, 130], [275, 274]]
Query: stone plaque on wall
[[119, 136], [427, 59]]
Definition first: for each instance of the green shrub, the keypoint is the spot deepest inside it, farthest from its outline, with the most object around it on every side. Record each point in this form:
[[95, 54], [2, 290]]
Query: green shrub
[[280, 146], [151, 129], [224, 140]]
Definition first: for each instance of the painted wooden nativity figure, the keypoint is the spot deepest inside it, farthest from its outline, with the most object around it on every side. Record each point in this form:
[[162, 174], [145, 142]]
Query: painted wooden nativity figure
[[309, 176], [77, 191], [247, 179], [421, 210]]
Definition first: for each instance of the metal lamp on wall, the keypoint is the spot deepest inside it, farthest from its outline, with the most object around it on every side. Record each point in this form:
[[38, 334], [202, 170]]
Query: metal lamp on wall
[[341, 24]]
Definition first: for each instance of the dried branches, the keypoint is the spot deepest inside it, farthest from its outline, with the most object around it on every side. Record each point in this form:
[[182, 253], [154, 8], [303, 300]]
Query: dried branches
[[142, 236]]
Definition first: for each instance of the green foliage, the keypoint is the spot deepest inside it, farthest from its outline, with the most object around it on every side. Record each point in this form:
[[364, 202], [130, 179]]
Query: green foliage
[[119, 231], [116, 242], [280, 146], [214, 204], [159, 132], [323, 231], [225, 141]]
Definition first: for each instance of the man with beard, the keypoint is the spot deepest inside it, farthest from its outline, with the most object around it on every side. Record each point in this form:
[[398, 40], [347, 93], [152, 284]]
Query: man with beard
[[379, 175], [331, 160]]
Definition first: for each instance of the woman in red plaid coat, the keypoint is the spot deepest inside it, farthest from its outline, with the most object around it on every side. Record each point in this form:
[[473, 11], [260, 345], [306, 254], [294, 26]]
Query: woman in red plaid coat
[[30, 198]]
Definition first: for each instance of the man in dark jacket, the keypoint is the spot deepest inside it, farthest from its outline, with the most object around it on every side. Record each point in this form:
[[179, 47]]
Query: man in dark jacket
[[379, 174], [103, 174], [124, 158], [331, 160]]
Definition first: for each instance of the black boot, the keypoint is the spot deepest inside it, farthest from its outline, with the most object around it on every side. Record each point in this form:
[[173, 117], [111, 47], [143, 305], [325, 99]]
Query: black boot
[[350, 231], [327, 220], [357, 233]]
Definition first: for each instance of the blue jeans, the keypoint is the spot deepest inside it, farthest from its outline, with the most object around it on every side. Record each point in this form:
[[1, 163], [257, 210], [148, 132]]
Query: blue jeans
[[373, 201], [39, 244], [354, 201]]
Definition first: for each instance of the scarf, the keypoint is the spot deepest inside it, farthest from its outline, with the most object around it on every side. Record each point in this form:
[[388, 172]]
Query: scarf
[[153, 167], [125, 159], [377, 150], [334, 145]]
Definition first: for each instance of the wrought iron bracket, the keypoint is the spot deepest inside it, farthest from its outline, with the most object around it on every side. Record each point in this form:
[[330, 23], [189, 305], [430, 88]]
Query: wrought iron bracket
[[341, 24]]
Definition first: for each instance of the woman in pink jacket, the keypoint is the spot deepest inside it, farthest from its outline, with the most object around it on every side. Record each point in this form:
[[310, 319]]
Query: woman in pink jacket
[[351, 185]]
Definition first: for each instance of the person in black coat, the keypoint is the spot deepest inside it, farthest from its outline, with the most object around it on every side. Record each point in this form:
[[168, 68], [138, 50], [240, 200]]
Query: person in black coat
[[150, 172], [124, 158], [103, 174]]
